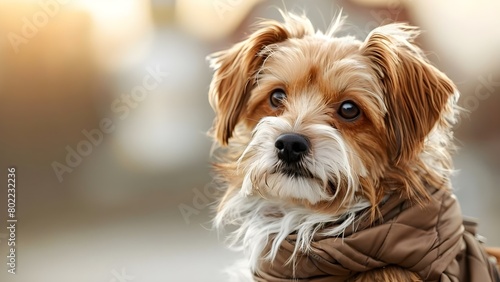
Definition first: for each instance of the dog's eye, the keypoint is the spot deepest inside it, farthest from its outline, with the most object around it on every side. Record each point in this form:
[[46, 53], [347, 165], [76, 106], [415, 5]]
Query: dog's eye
[[349, 110], [277, 97]]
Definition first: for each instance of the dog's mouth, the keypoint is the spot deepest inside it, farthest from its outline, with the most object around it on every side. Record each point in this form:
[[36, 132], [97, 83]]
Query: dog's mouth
[[293, 171], [298, 171]]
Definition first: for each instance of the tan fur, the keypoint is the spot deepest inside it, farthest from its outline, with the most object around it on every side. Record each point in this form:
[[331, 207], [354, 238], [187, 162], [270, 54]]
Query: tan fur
[[494, 252], [417, 94], [236, 69], [400, 144], [387, 274]]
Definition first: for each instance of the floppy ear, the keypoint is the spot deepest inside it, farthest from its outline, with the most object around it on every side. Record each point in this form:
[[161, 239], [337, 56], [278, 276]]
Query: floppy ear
[[415, 92], [236, 69]]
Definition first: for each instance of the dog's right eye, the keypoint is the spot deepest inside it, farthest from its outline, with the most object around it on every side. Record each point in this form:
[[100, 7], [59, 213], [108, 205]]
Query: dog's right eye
[[349, 111], [277, 97]]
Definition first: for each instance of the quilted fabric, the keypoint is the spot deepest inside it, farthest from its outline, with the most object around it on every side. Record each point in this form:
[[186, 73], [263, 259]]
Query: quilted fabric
[[429, 240]]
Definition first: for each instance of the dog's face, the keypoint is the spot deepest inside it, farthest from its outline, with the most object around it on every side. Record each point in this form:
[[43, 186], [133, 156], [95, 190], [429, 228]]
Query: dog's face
[[332, 120]]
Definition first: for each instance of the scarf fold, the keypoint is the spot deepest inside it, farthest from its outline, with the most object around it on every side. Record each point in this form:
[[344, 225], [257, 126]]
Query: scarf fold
[[429, 240]]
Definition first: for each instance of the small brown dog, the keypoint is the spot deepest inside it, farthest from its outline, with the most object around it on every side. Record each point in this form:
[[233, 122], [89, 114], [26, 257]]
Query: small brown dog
[[335, 158]]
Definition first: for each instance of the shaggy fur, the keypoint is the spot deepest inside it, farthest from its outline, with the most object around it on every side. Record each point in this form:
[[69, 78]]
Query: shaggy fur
[[400, 143]]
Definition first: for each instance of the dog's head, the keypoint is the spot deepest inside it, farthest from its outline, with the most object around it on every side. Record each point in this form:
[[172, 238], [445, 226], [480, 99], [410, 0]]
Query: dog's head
[[332, 119]]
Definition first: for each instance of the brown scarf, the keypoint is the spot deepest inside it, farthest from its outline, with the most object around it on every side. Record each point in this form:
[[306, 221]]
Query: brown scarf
[[429, 240]]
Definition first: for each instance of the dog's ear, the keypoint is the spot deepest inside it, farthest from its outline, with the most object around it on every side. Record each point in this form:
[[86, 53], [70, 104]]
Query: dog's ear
[[236, 69], [415, 92]]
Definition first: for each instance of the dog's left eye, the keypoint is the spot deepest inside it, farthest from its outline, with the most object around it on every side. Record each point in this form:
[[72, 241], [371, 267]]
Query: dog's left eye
[[277, 97], [349, 110]]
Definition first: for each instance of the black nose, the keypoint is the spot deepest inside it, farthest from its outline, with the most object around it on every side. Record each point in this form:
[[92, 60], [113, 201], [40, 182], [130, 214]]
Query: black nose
[[291, 147]]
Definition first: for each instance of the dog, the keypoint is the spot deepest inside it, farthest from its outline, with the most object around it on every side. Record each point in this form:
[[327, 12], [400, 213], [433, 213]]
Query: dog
[[334, 156]]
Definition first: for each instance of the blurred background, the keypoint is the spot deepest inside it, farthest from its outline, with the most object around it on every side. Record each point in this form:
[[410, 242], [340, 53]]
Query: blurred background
[[103, 112]]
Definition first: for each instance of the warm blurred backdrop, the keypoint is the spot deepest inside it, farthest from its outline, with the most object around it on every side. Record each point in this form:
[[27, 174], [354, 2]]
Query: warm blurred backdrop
[[103, 112]]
